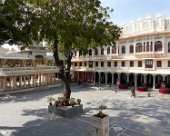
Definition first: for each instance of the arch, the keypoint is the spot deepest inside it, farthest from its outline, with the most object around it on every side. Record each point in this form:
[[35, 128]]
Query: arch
[[123, 78], [168, 46], [114, 49], [97, 77], [108, 50], [115, 76], [90, 52], [102, 79], [109, 78], [123, 49], [102, 51], [131, 49], [139, 47], [140, 80], [158, 46], [158, 80], [149, 80], [80, 52], [95, 51], [147, 47], [131, 79]]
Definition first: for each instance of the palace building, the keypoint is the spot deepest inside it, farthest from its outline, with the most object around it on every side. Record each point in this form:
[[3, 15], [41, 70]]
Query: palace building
[[26, 68], [140, 57]]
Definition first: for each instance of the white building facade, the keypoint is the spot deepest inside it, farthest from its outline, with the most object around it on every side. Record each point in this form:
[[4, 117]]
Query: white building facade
[[26, 68], [140, 57]]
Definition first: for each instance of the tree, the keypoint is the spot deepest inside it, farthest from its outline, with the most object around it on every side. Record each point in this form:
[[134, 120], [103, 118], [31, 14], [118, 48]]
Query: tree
[[70, 26], [16, 21]]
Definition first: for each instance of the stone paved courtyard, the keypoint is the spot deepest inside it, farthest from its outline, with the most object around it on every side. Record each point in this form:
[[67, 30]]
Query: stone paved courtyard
[[26, 114]]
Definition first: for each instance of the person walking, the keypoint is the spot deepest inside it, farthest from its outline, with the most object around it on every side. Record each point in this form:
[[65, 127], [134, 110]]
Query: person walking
[[133, 93]]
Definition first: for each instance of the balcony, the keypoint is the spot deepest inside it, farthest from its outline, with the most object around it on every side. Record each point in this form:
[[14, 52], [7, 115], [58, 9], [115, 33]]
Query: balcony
[[12, 71]]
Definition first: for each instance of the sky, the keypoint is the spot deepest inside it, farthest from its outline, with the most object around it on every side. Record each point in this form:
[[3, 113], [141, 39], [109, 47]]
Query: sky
[[126, 11]]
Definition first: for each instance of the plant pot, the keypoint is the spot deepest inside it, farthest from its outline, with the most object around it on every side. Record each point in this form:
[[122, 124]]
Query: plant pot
[[100, 126]]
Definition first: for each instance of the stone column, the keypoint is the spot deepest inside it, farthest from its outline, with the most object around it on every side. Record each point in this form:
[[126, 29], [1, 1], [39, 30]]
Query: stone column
[[112, 78], [1, 83], [39, 79], [145, 79], [127, 78], [32, 80], [154, 81]]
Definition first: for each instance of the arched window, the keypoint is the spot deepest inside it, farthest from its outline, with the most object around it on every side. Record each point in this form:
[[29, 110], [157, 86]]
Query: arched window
[[80, 52], [168, 46], [90, 52], [151, 46], [95, 51], [131, 49], [158, 46], [108, 50], [139, 47], [102, 51], [114, 49], [123, 50], [147, 47]]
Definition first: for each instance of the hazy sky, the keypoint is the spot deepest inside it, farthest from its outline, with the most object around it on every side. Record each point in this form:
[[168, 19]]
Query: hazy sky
[[128, 10]]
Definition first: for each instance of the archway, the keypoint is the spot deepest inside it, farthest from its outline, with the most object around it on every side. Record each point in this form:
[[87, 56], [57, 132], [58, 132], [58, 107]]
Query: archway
[[131, 79], [102, 79], [140, 80], [97, 77], [115, 77], [109, 78], [149, 81], [123, 78]]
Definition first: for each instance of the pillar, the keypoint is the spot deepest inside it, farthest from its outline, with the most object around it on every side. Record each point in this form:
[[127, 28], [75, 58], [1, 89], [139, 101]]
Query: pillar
[[94, 78], [112, 78], [154, 81], [99, 78]]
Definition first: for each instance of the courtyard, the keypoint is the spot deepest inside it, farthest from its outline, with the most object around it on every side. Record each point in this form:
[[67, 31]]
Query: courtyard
[[26, 114]]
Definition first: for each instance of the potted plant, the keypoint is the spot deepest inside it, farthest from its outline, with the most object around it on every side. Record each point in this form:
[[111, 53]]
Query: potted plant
[[72, 102], [100, 123], [50, 99], [79, 101]]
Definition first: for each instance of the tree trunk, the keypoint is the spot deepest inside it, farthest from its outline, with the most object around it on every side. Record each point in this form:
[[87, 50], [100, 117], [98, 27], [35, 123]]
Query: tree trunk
[[69, 57], [60, 65]]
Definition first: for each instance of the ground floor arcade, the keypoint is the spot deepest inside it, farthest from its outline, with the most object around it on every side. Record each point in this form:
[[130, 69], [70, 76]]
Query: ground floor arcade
[[137, 79], [27, 81]]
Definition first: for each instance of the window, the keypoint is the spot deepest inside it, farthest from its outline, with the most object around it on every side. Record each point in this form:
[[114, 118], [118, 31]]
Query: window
[[90, 64], [75, 64], [148, 63], [139, 47], [168, 63], [123, 50], [108, 50], [115, 64], [90, 52], [147, 47], [159, 64], [108, 64], [151, 46], [158, 46], [131, 64], [169, 47], [102, 64], [85, 64], [131, 49], [96, 64], [123, 64], [80, 52], [95, 51], [80, 64], [139, 63], [102, 51], [114, 49]]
